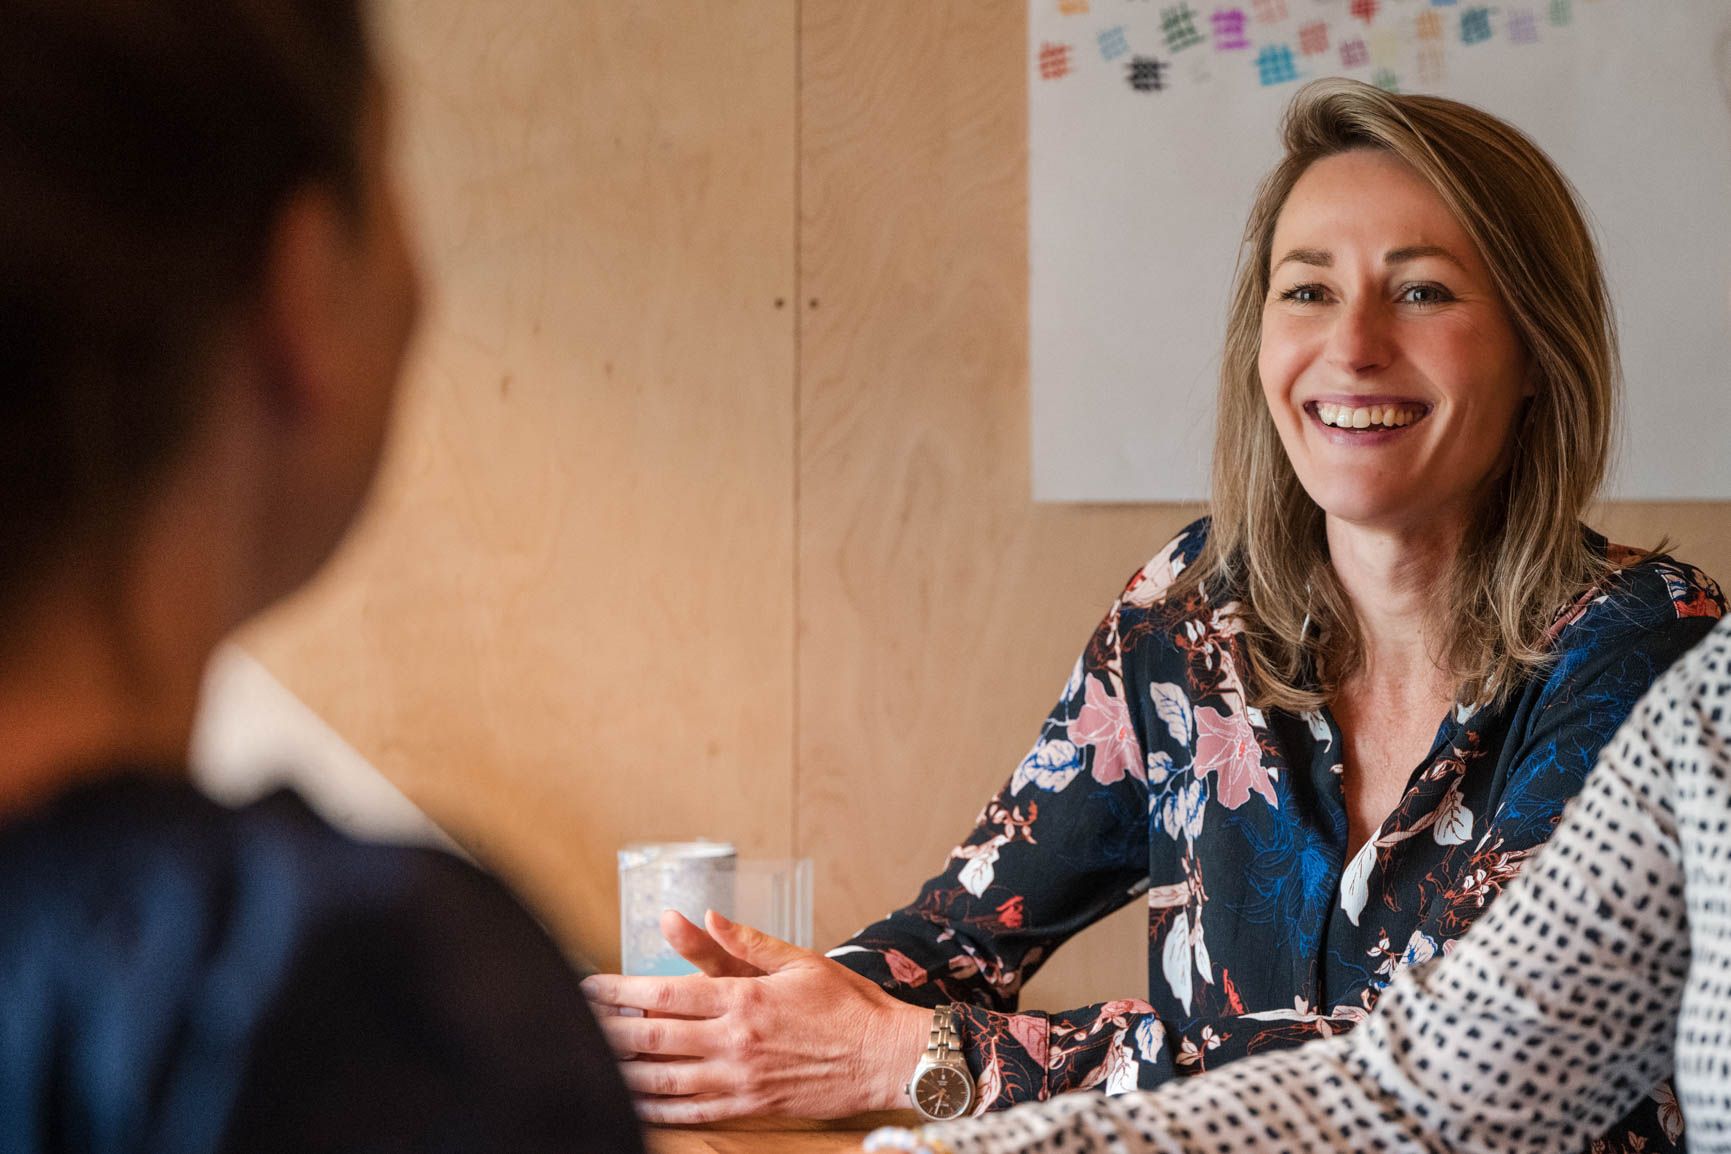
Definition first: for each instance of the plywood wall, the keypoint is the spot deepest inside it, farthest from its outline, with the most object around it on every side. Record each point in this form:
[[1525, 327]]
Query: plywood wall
[[569, 621], [656, 556]]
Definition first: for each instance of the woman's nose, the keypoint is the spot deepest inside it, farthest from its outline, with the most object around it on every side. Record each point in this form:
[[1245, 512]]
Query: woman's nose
[[1360, 341]]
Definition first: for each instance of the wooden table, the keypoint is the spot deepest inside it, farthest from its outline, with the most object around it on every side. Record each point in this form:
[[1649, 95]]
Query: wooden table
[[774, 1135]]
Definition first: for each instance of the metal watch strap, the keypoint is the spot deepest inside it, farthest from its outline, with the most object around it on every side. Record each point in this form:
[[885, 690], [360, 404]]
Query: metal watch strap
[[946, 1038]]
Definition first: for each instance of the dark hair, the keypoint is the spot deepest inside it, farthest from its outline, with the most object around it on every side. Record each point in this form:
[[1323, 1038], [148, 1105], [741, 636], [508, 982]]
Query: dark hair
[[146, 148]]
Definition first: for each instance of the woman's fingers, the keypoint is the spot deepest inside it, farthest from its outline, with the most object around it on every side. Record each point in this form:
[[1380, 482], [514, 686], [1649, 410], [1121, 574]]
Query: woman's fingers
[[701, 950], [679, 1079], [664, 1037], [752, 946], [696, 996], [697, 1111]]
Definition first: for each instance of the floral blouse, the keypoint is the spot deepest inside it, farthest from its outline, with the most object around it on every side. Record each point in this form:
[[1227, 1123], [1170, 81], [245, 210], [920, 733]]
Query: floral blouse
[[1153, 778]]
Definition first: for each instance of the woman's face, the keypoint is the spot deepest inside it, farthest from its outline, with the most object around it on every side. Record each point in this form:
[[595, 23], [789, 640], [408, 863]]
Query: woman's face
[[367, 292], [383, 304], [1389, 363]]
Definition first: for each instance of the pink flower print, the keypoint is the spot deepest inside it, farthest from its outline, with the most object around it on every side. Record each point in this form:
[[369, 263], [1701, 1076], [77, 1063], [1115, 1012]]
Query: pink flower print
[[1670, 1113], [1575, 612], [1116, 1013], [1195, 1052], [1104, 723], [904, 969], [1156, 577], [1226, 746], [1226, 621], [1030, 1033], [1120, 1068]]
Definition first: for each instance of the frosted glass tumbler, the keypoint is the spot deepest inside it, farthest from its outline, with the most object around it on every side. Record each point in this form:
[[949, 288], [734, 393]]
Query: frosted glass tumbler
[[773, 894]]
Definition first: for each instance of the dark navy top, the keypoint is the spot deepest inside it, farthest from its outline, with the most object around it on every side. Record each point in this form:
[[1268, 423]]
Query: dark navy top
[[179, 976]]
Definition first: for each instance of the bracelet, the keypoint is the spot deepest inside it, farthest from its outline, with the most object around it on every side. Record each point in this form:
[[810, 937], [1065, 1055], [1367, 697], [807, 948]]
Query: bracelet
[[906, 1141]]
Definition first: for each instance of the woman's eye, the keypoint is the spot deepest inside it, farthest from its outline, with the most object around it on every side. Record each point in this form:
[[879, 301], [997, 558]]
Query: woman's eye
[[1424, 294], [1304, 294]]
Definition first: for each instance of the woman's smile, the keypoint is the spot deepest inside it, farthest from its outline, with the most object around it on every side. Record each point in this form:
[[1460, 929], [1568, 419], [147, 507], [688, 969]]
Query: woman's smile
[[1382, 325], [1364, 421]]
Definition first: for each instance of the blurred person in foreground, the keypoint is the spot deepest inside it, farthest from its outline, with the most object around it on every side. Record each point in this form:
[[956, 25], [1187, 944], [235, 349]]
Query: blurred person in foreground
[[206, 292]]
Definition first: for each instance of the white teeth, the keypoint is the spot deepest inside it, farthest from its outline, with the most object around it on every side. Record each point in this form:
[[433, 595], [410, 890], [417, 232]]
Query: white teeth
[[1385, 416]]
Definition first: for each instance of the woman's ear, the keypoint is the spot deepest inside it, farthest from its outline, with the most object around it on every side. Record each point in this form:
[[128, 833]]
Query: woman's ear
[[301, 340]]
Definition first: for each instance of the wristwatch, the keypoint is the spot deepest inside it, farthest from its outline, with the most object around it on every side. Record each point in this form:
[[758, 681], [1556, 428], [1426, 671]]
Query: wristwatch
[[942, 1087]]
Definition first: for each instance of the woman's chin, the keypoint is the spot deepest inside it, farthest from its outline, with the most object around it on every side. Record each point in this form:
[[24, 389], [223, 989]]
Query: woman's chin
[[1372, 508]]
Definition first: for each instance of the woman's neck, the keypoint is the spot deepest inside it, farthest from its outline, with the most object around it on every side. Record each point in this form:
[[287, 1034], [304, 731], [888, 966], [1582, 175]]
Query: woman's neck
[[1392, 579], [71, 712], [103, 672]]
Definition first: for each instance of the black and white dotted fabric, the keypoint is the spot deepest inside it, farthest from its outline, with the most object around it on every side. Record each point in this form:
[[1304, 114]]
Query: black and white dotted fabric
[[1605, 965]]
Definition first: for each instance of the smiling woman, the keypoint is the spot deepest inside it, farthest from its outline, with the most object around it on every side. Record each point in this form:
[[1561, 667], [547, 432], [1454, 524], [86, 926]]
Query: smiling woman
[[1320, 730], [1414, 252]]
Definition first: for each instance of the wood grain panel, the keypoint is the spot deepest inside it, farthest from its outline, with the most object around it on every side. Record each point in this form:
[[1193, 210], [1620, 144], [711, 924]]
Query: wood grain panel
[[567, 622], [1699, 531], [940, 609]]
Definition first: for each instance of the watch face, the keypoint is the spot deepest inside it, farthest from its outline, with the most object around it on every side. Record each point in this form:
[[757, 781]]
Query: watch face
[[943, 1092]]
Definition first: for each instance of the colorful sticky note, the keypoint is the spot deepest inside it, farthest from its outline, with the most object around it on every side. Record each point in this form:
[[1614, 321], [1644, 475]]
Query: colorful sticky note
[[1275, 65], [1178, 26], [1229, 30], [1147, 74], [1054, 61]]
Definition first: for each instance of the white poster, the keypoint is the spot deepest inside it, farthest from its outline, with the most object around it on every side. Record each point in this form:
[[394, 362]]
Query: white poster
[[1151, 122]]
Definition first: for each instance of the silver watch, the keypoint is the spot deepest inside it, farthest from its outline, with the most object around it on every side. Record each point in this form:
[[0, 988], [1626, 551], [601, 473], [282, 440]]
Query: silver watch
[[942, 1088]]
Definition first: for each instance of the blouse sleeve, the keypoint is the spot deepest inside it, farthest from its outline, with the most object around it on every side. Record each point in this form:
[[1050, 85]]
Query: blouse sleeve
[[1062, 845], [1550, 1019]]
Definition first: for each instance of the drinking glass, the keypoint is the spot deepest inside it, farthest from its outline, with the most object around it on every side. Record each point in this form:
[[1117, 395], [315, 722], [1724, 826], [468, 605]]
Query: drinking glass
[[772, 894]]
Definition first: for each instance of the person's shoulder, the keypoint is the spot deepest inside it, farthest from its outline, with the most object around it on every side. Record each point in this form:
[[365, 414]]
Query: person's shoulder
[[254, 947], [1150, 584], [441, 1001], [254, 881], [1642, 590]]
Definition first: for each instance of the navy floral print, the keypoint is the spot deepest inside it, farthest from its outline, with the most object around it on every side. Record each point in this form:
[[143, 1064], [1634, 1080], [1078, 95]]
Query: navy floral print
[[1153, 778]]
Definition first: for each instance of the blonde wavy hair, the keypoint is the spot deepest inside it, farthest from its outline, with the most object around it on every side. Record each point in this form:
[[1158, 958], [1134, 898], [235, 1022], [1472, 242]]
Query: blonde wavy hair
[[1526, 556]]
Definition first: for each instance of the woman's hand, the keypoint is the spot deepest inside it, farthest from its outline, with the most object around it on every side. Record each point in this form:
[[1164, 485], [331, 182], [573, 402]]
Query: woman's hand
[[767, 1028], [702, 950]]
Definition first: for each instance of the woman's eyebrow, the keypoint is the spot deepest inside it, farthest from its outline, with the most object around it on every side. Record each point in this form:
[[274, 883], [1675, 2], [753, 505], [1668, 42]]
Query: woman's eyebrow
[[1419, 252], [1320, 257]]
